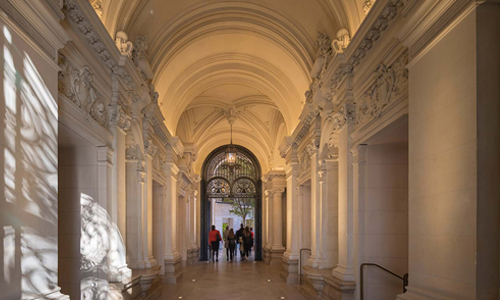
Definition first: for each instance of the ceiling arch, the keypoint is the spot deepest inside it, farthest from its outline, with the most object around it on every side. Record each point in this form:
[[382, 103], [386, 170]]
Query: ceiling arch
[[254, 56], [231, 69]]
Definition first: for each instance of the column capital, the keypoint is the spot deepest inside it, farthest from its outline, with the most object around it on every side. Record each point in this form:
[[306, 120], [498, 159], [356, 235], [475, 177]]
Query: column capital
[[292, 169], [359, 153], [277, 191], [170, 169], [105, 154]]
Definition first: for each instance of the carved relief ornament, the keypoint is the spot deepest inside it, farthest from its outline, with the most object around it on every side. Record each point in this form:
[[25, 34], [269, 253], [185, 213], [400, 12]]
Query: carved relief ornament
[[343, 39], [77, 86], [124, 45], [304, 161], [388, 83]]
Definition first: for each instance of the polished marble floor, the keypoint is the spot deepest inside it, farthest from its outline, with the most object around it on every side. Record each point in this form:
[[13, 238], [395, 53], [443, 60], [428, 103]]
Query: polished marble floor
[[238, 280]]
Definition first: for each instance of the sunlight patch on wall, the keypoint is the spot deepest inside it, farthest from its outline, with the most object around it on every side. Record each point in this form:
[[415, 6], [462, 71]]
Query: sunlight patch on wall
[[9, 248], [28, 144]]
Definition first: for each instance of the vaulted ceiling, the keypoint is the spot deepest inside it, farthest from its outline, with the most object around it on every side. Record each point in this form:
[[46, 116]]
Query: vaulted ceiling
[[252, 56]]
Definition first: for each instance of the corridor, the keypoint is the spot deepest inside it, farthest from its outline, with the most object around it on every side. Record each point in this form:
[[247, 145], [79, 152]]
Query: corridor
[[239, 280]]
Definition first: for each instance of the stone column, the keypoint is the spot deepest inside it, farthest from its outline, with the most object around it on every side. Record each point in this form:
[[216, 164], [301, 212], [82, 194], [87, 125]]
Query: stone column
[[304, 217], [269, 225], [115, 265], [148, 203], [329, 180], [120, 123], [159, 224], [192, 233], [198, 215], [315, 259], [344, 272], [182, 229], [173, 271], [277, 245], [137, 250], [264, 219], [212, 211], [291, 255]]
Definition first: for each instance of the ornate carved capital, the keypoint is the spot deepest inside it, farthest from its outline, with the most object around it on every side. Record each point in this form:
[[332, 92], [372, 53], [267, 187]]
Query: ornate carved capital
[[132, 152], [312, 148], [151, 149], [344, 115], [276, 191], [119, 118]]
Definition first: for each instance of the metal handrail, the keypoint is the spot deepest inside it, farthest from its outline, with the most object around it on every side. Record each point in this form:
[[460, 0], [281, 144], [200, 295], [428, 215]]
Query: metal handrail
[[404, 277], [300, 265]]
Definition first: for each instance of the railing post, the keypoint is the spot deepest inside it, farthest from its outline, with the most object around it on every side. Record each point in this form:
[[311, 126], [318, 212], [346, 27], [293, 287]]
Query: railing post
[[361, 282], [405, 282], [361, 270]]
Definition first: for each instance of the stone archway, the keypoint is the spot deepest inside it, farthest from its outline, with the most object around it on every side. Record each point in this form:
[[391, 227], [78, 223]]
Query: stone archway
[[221, 182]]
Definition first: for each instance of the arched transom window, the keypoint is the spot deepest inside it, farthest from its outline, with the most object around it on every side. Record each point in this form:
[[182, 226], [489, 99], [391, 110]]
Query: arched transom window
[[231, 180]]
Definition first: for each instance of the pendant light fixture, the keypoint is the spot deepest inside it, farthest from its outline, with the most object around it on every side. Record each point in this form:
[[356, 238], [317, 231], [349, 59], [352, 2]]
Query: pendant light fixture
[[231, 153]]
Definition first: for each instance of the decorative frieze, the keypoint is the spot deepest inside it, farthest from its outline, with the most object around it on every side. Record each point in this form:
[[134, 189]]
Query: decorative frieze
[[85, 27], [77, 86], [381, 24], [388, 84]]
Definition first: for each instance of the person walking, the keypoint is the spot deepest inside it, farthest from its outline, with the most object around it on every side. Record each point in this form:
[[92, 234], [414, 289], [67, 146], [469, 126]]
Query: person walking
[[226, 244], [239, 236], [231, 241], [214, 239], [247, 242]]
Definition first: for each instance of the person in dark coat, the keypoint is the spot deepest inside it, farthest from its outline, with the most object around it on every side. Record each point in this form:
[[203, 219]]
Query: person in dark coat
[[247, 242], [239, 235], [231, 240]]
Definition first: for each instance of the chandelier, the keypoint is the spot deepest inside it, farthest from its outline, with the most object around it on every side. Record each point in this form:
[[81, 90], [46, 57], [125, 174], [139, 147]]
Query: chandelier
[[231, 155]]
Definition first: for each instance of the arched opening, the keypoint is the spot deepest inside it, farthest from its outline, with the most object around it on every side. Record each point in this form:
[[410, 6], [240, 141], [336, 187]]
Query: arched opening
[[224, 182]]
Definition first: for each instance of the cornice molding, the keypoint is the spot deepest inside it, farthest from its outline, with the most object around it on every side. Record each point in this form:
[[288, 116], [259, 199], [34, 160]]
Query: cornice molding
[[369, 32], [40, 21]]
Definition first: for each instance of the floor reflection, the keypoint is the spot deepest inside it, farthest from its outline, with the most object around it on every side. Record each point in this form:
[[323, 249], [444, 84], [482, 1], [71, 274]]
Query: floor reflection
[[238, 280]]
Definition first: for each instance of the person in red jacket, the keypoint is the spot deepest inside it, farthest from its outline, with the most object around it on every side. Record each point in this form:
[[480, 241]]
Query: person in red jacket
[[214, 239]]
